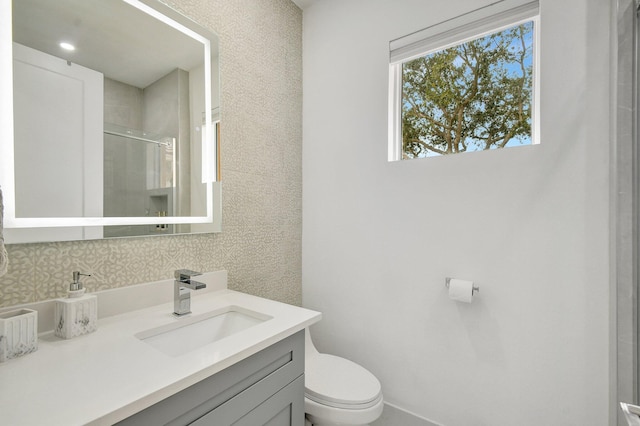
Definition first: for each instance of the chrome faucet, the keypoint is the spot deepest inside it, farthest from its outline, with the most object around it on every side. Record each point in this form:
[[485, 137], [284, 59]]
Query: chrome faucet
[[181, 293]]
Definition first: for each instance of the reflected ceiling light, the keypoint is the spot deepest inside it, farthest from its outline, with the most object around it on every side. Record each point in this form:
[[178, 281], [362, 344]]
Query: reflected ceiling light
[[67, 46]]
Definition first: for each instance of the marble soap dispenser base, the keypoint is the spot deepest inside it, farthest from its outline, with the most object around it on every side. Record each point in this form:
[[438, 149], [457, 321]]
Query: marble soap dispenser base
[[78, 313], [76, 316]]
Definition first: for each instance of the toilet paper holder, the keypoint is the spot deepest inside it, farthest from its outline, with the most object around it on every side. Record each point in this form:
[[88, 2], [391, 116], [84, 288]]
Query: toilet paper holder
[[475, 289]]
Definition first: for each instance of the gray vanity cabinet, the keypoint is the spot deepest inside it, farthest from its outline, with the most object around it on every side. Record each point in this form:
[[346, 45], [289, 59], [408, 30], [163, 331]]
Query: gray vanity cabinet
[[266, 389]]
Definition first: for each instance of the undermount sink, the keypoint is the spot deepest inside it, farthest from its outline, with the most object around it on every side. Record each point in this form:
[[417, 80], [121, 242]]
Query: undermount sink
[[188, 334]]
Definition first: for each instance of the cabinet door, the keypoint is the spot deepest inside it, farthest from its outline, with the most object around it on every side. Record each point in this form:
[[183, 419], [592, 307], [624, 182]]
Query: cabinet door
[[232, 392], [284, 408]]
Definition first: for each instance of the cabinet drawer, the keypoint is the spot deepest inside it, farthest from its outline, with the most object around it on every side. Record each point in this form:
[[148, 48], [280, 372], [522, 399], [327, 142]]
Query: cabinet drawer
[[257, 378], [284, 408]]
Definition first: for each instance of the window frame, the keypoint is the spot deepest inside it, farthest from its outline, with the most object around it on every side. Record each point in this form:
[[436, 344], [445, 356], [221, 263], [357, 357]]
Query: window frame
[[473, 25]]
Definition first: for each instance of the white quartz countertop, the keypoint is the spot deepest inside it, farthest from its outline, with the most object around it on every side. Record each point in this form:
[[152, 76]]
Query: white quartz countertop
[[106, 376]]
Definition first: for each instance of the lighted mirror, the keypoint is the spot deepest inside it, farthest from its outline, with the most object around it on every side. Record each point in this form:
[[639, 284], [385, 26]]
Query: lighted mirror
[[113, 123]]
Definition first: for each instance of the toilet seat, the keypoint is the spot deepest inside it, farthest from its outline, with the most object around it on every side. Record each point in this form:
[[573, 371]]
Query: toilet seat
[[340, 383]]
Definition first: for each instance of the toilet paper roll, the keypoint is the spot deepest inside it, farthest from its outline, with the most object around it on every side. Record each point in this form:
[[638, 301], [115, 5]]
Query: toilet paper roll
[[460, 290]]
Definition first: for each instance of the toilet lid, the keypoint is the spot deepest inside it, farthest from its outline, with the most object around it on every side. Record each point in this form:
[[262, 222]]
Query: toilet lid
[[338, 382]]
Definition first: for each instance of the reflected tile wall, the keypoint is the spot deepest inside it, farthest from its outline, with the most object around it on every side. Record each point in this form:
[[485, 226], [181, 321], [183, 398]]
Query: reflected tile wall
[[260, 245]]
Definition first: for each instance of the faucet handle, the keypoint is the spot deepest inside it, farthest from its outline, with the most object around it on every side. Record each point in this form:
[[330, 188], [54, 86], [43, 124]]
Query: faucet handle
[[185, 274]]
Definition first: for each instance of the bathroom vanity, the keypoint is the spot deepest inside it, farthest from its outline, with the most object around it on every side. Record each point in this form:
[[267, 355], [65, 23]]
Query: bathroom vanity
[[264, 389], [130, 372]]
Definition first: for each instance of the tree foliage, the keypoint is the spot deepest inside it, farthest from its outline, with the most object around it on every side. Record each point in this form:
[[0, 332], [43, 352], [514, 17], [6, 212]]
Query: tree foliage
[[473, 96]]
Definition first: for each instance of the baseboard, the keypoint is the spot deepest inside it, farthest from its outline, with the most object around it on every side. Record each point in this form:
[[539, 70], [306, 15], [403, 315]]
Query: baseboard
[[392, 415]]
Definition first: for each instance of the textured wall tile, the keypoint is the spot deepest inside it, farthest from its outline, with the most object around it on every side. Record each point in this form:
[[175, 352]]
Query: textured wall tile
[[260, 244], [19, 284]]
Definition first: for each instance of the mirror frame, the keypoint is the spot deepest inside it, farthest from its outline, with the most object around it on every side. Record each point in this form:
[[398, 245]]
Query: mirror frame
[[7, 181]]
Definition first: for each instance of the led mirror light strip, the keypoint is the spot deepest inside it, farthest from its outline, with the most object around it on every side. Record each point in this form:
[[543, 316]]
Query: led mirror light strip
[[7, 180]]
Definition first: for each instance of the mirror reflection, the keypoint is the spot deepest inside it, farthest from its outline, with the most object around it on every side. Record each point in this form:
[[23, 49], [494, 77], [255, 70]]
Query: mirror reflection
[[110, 121]]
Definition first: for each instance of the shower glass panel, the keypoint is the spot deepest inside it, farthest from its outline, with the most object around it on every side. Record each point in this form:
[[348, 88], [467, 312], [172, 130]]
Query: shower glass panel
[[139, 179], [626, 205], [634, 36]]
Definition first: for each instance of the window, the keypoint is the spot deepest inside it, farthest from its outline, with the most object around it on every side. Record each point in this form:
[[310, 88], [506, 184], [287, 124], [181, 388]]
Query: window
[[468, 84]]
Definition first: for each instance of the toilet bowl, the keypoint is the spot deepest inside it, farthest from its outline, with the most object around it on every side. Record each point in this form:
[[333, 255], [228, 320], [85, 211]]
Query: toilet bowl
[[338, 391]]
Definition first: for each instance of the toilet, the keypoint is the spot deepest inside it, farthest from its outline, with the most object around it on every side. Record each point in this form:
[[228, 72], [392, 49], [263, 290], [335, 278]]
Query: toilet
[[338, 391]]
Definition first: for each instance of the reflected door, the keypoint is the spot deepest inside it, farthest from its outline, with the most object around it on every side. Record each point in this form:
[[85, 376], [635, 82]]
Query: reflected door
[[63, 178]]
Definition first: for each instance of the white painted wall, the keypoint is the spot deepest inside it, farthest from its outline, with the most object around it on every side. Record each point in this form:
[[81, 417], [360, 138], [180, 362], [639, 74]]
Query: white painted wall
[[528, 224]]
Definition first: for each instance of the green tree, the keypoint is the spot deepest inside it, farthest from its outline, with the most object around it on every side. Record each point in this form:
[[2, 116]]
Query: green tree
[[473, 96]]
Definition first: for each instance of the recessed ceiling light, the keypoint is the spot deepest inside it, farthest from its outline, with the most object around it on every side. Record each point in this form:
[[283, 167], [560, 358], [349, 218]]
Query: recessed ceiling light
[[67, 46]]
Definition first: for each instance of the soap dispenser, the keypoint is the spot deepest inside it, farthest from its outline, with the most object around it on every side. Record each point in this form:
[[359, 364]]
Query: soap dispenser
[[77, 314]]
